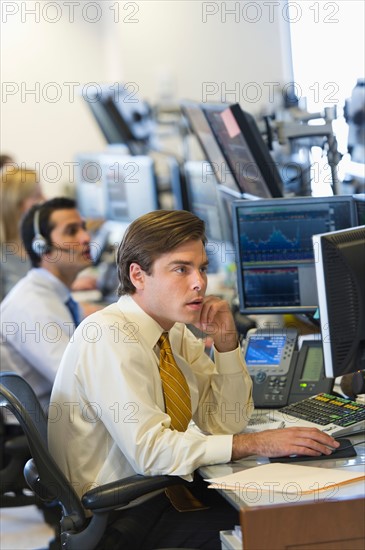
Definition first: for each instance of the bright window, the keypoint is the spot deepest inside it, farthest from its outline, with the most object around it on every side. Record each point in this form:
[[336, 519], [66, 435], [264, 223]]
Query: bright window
[[328, 55]]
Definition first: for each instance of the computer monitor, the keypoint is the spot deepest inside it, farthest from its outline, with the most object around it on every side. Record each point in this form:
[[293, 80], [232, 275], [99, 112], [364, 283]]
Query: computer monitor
[[90, 194], [121, 116], [115, 187], [205, 201], [360, 207], [340, 273], [274, 251], [216, 163], [130, 187], [244, 149], [176, 184]]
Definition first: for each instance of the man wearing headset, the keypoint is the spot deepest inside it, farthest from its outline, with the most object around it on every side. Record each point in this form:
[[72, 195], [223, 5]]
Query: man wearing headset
[[38, 316]]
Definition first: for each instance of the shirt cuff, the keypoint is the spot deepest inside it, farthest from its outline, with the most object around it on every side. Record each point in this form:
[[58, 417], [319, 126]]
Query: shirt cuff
[[218, 449], [227, 362]]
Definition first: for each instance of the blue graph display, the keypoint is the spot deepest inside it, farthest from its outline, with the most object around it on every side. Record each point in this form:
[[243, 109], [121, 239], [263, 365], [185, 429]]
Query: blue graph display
[[267, 287], [279, 240]]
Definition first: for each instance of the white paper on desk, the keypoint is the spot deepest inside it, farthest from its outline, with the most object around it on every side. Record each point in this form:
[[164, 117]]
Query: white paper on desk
[[288, 478]]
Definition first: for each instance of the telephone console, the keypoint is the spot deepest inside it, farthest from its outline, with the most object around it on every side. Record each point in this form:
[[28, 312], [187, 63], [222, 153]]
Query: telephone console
[[281, 375]]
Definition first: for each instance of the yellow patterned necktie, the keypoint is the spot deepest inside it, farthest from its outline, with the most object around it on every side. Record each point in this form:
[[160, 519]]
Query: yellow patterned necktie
[[178, 407], [175, 388]]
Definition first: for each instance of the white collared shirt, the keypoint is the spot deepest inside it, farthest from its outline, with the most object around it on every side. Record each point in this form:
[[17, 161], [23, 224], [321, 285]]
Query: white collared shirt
[[36, 326], [107, 418]]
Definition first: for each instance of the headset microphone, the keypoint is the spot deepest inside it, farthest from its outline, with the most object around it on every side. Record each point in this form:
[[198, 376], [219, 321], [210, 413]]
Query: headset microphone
[[39, 243], [54, 247]]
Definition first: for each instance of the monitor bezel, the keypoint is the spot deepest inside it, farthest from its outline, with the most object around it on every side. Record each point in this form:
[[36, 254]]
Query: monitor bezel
[[327, 324]]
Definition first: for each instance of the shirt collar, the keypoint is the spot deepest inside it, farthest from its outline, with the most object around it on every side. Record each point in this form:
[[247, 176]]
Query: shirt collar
[[45, 278], [148, 328]]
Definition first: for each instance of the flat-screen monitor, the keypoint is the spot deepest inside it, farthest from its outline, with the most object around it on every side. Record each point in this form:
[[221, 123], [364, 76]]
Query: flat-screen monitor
[[274, 251], [340, 273], [121, 116], [244, 149], [115, 187], [216, 163], [360, 207], [176, 184], [90, 194], [205, 201]]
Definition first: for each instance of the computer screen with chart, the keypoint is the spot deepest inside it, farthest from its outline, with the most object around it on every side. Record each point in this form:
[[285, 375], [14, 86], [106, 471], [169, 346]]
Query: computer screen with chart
[[274, 250], [244, 149], [340, 275]]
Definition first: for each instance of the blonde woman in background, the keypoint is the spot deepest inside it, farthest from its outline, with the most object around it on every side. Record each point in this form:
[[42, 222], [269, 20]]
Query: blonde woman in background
[[5, 159], [20, 189]]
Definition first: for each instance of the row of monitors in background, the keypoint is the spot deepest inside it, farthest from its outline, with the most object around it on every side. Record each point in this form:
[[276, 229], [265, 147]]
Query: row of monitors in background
[[229, 137]]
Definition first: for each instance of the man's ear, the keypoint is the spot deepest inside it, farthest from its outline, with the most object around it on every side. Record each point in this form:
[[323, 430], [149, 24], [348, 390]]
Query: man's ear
[[137, 276]]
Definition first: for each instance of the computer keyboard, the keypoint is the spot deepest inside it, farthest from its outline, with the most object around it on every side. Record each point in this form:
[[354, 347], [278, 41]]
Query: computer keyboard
[[337, 416]]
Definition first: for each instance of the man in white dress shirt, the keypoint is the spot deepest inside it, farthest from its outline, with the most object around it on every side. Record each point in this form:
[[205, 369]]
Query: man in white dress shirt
[[110, 399], [37, 316]]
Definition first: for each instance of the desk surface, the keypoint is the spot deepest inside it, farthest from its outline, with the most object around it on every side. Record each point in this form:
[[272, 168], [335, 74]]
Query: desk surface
[[240, 499]]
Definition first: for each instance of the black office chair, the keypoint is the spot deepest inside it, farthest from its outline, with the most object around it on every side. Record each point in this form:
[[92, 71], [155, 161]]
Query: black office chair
[[14, 450], [51, 486], [14, 453]]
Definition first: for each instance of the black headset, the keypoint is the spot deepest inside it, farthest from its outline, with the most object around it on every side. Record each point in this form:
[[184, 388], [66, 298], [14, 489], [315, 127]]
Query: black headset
[[39, 243]]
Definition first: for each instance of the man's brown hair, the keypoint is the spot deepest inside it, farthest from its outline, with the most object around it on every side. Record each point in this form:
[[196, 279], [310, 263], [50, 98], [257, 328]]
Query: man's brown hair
[[152, 235]]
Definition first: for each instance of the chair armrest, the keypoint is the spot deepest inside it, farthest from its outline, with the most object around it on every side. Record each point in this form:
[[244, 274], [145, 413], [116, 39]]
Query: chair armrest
[[122, 492]]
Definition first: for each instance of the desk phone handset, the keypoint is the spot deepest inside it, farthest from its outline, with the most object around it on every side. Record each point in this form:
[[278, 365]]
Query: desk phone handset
[[281, 375]]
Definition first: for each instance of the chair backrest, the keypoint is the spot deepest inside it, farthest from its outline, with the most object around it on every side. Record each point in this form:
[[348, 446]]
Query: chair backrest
[[22, 390], [43, 475]]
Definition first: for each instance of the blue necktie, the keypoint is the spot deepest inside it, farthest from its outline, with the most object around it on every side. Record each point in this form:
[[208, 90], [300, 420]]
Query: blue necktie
[[74, 310]]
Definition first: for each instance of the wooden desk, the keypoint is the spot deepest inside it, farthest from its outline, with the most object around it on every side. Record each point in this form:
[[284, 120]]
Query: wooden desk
[[240, 499], [324, 520], [327, 525]]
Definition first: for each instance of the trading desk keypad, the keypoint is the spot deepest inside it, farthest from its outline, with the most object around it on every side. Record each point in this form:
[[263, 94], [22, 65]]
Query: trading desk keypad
[[325, 409]]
